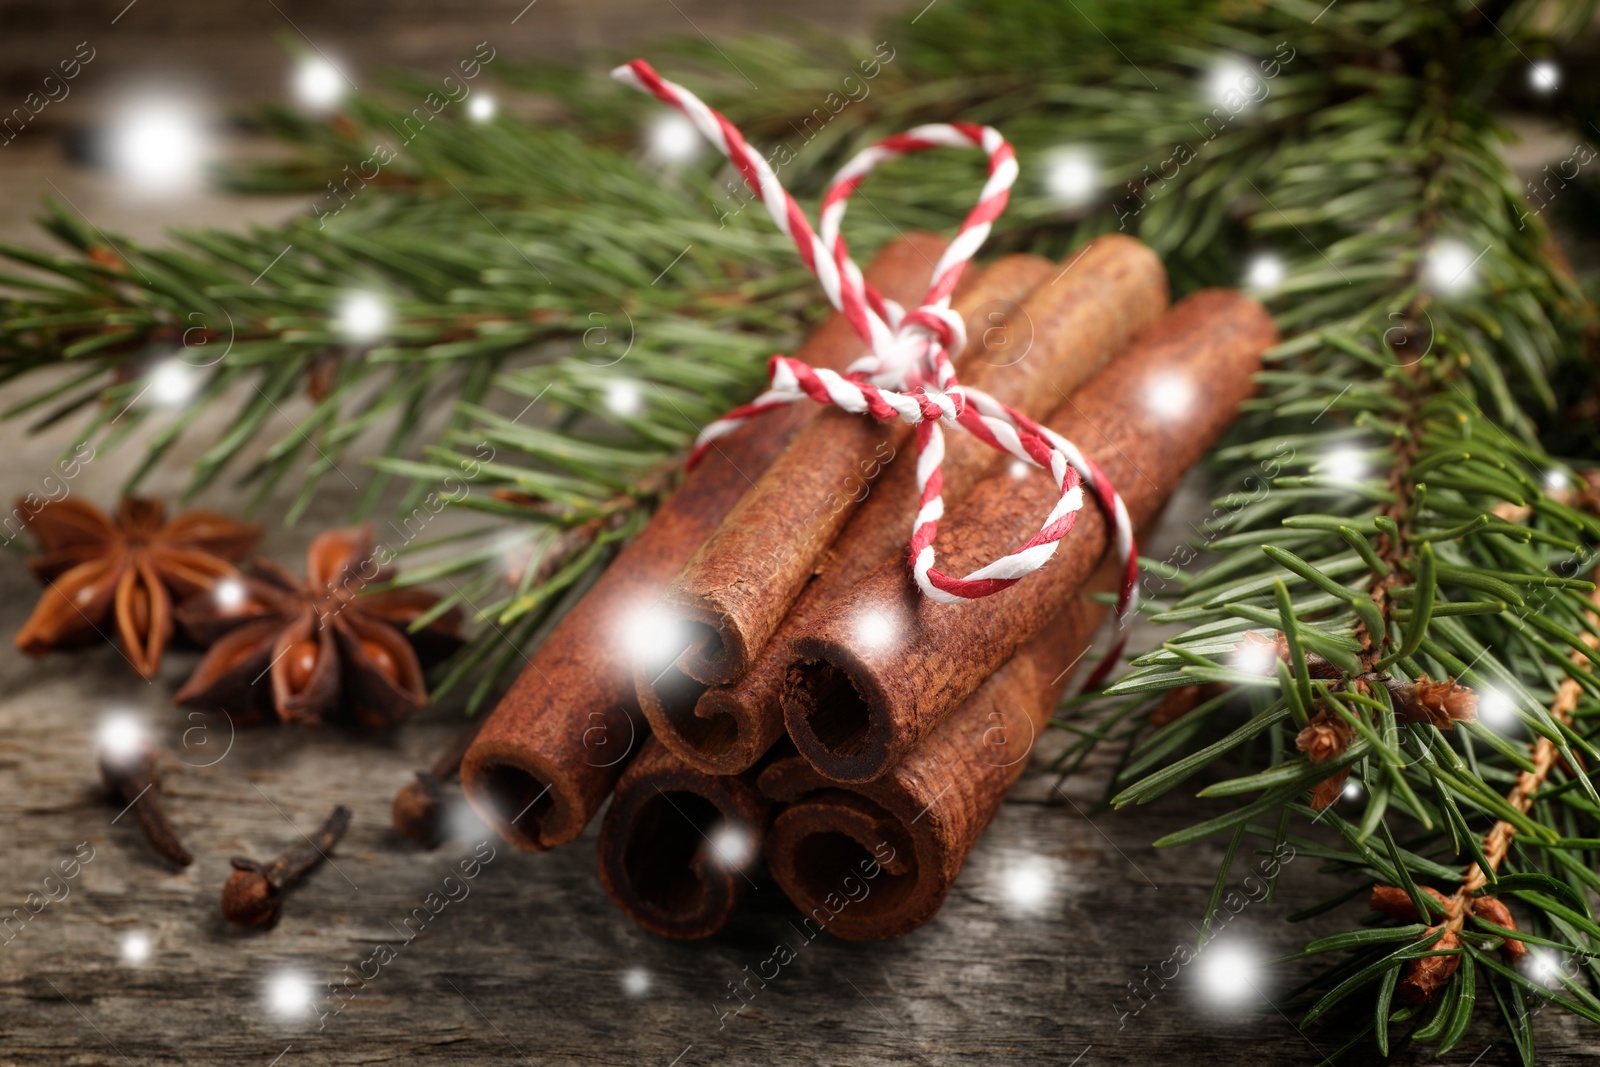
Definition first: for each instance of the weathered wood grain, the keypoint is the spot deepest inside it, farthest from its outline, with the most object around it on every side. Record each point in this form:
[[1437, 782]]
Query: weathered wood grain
[[533, 964]]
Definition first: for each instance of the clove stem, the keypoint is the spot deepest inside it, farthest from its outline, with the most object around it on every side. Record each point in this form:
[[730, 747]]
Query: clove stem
[[295, 863], [133, 780], [254, 893]]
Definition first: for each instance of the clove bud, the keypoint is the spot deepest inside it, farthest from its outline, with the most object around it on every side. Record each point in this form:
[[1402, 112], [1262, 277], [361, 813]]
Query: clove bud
[[254, 893], [419, 810], [130, 776], [420, 807]]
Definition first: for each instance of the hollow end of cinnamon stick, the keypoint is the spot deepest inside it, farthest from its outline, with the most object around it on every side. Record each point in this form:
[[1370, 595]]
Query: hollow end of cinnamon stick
[[709, 728], [839, 716], [916, 825], [527, 800], [854, 865], [718, 649], [676, 846]]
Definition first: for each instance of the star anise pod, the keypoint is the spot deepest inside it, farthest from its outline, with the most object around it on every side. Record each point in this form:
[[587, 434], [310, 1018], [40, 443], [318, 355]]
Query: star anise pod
[[305, 650], [123, 574]]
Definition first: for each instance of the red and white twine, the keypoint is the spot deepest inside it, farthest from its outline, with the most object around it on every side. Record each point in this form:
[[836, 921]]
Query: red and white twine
[[909, 374]]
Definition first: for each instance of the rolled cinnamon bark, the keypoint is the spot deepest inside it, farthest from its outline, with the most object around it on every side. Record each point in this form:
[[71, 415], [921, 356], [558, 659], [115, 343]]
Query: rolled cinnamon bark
[[553, 747], [732, 595], [855, 707], [555, 744], [676, 844], [907, 835], [1064, 332]]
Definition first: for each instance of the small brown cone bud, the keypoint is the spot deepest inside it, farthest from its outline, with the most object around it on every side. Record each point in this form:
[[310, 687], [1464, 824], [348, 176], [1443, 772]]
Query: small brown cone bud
[[1509, 512], [1586, 496], [1175, 705], [1421, 979], [1254, 644], [1491, 910], [1325, 738], [1277, 644], [104, 257], [1328, 790], [1442, 704], [1394, 902], [1181, 701]]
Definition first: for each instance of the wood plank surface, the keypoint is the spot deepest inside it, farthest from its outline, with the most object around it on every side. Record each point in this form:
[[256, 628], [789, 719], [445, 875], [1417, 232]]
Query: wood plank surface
[[1029, 962]]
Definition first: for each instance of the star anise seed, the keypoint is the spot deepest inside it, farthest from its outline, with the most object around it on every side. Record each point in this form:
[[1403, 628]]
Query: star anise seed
[[123, 574], [303, 650]]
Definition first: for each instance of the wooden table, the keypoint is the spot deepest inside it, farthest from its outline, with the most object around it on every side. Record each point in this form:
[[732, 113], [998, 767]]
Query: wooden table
[[1029, 962]]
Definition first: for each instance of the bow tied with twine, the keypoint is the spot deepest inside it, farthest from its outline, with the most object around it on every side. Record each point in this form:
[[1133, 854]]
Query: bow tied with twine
[[909, 374]]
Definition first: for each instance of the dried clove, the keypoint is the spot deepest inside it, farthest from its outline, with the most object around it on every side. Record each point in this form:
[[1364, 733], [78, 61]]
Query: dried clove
[[420, 807], [130, 776], [254, 893], [419, 810]]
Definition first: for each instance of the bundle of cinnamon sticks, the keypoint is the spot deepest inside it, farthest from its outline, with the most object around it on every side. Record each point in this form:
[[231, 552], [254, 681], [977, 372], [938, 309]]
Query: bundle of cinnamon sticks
[[757, 677]]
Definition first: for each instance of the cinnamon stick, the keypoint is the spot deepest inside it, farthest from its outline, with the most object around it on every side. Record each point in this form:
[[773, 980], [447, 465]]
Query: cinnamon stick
[[677, 844], [919, 822], [555, 744], [732, 595], [854, 708], [1063, 332]]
